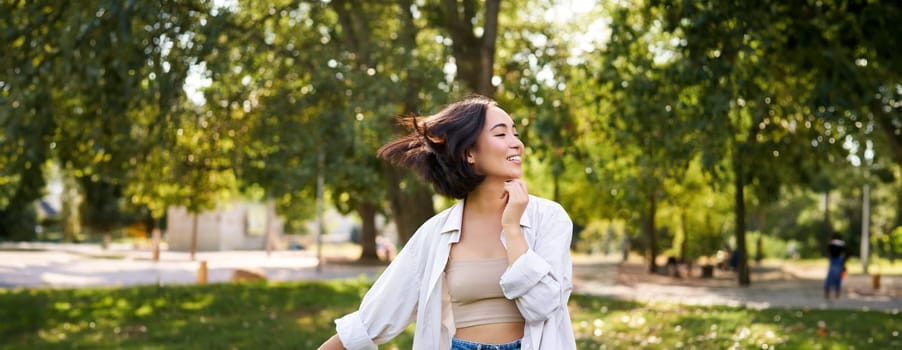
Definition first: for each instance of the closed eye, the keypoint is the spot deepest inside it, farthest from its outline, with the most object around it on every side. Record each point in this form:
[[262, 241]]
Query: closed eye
[[503, 128]]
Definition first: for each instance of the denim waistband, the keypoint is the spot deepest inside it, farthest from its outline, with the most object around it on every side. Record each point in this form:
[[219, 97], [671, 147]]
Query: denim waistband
[[458, 344]]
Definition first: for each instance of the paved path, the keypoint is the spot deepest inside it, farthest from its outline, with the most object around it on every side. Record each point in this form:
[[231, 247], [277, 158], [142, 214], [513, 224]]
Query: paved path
[[66, 266], [771, 287], [60, 265]]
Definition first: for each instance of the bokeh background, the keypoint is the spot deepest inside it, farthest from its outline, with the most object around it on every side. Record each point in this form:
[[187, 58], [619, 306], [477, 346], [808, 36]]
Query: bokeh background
[[682, 129]]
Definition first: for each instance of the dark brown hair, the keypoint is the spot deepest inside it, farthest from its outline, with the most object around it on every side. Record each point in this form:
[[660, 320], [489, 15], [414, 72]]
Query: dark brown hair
[[436, 148]]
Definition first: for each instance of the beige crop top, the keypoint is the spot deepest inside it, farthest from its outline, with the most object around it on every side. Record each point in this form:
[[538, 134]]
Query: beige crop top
[[475, 291]]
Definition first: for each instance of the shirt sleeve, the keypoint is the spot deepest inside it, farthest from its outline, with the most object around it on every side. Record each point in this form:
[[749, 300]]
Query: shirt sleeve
[[388, 307], [539, 281]]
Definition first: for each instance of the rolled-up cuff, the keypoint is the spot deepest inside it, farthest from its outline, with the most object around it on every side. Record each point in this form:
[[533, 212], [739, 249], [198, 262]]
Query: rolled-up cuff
[[352, 333], [524, 273]]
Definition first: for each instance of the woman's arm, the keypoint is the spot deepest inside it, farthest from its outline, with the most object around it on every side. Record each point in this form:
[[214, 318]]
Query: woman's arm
[[387, 308], [334, 343], [539, 281]]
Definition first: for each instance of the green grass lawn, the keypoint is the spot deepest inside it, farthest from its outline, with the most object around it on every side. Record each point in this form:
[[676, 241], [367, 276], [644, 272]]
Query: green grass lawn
[[298, 315]]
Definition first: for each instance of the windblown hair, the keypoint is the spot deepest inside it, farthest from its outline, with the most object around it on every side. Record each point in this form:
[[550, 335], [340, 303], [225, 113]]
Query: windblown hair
[[436, 147]]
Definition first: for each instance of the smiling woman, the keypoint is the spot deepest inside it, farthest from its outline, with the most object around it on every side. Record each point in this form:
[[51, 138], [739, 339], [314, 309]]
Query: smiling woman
[[494, 269], [498, 150]]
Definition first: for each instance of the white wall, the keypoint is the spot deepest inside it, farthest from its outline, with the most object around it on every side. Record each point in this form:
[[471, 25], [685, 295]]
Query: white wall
[[222, 229]]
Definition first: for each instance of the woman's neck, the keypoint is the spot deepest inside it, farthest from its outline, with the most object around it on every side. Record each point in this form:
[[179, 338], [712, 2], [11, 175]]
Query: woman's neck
[[488, 197]]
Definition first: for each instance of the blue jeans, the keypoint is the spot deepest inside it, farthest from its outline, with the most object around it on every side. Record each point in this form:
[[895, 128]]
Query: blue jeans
[[834, 275], [457, 344]]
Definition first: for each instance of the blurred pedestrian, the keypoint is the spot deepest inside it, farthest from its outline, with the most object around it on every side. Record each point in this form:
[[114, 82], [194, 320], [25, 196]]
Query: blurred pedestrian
[[836, 254]]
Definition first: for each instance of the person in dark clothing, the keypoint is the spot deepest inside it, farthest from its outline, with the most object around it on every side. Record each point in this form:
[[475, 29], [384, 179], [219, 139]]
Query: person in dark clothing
[[836, 251]]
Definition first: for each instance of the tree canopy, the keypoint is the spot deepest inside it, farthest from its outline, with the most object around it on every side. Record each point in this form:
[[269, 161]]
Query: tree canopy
[[681, 120]]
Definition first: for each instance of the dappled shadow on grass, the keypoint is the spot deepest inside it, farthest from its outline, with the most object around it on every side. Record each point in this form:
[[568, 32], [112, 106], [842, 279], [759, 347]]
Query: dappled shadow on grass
[[604, 323], [299, 315], [277, 315]]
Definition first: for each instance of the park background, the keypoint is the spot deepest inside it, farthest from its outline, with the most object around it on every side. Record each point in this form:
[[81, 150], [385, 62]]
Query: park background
[[679, 129]]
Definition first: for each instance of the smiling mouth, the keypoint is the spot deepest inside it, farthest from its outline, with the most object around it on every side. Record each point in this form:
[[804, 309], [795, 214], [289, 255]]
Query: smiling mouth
[[514, 158]]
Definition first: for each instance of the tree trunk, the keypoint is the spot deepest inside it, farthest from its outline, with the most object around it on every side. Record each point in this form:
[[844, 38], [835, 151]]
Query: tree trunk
[[892, 237], [474, 56], [684, 246], [71, 200], [898, 204], [411, 202], [155, 240], [759, 250], [891, 248], [193, 236], [865, 228], [100, 206], [742, 266], [367, 212], [651, 235]]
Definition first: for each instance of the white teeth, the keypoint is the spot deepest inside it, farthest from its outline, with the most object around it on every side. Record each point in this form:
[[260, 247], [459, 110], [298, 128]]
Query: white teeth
[[514, 158]]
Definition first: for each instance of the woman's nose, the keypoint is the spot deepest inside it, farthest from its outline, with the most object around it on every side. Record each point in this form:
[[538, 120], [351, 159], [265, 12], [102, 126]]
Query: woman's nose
[[517, 143]]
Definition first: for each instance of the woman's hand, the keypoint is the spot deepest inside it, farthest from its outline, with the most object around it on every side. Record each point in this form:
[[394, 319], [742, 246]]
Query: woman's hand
[[517, 195], [333, 343]]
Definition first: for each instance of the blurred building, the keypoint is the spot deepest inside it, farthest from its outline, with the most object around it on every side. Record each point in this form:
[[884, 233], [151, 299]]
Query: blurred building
[[239, 225]]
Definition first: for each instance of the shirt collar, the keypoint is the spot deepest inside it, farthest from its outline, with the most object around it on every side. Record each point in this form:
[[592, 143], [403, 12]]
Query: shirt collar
[[455, 218], [456, 214]]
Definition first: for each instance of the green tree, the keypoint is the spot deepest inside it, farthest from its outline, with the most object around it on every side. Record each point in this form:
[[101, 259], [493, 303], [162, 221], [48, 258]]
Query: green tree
[[327, 84], [532, 86], [750, 103], [373, 70], [75, 81], [647, 118]]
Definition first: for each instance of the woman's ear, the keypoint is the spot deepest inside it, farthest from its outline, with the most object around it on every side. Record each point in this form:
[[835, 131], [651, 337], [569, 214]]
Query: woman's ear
[[470, 158]]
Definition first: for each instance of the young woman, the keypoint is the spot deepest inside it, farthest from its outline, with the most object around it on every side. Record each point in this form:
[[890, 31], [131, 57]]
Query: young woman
[[491, 272]]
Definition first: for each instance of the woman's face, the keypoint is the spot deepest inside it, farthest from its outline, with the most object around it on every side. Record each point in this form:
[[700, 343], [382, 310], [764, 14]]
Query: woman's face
[[498, 149]]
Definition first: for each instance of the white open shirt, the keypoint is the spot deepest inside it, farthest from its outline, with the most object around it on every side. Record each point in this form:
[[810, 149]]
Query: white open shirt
[[411, 287]]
